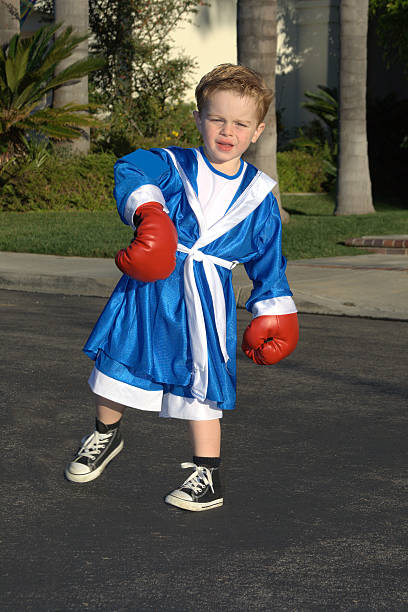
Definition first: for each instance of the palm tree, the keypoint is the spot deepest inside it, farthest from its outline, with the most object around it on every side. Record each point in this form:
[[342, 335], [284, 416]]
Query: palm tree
[[74, 13], [353, 182], [256, 41], [27, 74], [9, 20]]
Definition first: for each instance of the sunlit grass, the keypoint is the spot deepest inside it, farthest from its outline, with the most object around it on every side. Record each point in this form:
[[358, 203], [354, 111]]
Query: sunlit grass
[[313, 231]]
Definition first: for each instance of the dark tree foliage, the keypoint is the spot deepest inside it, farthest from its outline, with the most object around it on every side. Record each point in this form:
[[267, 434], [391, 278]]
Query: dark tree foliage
[[392, 27], [135, 37], [142, 76]]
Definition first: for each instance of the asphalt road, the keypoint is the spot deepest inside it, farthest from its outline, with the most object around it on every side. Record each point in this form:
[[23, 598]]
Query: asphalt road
[[314, 465]]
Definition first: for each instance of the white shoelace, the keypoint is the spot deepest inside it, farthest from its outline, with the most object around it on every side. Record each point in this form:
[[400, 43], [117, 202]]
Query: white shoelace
[[199, 479], [94, 444]]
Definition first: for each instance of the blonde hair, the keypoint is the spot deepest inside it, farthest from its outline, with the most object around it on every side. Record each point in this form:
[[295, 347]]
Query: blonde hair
[[240, 79]]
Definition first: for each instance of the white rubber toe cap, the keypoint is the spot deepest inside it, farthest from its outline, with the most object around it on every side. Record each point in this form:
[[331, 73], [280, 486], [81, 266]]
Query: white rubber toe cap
[[180, 495], [78, 468]]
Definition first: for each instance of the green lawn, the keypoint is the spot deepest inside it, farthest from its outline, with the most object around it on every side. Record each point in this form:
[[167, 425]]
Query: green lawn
[[313, 231]]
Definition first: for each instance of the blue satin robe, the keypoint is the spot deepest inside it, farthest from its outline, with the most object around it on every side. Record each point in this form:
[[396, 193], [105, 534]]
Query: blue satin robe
[[144, 325]]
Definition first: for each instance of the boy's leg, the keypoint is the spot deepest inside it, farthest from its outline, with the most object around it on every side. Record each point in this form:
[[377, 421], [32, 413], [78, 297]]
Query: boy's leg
[[202, 489], [107, 411], [205, 437], [101, 446]]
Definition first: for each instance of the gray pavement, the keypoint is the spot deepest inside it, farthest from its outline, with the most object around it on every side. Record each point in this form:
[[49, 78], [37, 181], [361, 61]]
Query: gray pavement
[[314, 472], [369, 285]]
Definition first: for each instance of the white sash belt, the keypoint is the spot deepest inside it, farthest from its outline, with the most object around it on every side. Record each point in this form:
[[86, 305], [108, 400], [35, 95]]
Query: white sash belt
[[250, 198], [195, 315]]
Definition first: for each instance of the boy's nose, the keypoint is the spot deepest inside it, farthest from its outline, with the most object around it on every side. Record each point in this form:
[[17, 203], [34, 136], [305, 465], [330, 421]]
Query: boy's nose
[[227, 129]]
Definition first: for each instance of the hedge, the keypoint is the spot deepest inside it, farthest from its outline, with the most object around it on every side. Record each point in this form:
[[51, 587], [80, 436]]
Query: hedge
[[86, 182], [71, 183], [300, 172]]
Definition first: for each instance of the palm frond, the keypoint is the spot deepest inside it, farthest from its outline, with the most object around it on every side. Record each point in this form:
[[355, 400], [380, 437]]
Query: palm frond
[[28, 71], [75, 71], [323, 104], [51, 121], [55, 131], [16, 68]]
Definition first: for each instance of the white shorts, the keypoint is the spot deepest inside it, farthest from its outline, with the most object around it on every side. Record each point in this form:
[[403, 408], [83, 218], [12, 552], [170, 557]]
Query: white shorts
[[166, 404]]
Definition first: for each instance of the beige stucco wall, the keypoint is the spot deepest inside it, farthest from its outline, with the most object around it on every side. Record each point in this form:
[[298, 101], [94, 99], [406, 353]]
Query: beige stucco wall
[[210, 39]]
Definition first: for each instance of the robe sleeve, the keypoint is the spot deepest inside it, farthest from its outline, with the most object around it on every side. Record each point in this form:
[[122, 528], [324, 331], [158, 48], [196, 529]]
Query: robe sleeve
[[140, 177], [271, 294]]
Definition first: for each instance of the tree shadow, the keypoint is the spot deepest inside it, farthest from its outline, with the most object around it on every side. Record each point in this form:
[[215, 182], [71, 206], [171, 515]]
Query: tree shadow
[[217, 12], [295, 70], [295, 211]]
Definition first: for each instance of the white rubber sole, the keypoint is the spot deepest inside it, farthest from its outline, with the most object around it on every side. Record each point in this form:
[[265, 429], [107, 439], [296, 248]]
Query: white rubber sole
[[192, 506], [92, 475]]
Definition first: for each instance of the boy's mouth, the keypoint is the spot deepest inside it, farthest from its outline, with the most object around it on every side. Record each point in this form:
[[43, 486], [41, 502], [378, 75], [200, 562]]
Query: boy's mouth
[[224, 146]]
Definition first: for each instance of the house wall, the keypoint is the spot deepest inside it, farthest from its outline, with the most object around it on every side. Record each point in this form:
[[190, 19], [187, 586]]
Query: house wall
[[308, 51], [210, 38], [308, 32], [308, 46]]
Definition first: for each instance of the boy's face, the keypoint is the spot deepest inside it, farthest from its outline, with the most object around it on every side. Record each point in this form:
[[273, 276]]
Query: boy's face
[[228, 124]]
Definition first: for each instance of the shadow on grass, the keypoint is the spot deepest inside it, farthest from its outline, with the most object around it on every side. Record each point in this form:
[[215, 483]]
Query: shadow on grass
[[388, 203], [294, 211], [309, 205], [323, 205]]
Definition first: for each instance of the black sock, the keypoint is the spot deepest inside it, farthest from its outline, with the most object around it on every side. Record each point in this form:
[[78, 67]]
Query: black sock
[[102, 428], [209, 462]]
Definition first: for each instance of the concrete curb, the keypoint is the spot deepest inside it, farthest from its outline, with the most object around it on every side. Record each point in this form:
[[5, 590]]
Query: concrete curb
[[369, 286], [55, 274], [373, 286]]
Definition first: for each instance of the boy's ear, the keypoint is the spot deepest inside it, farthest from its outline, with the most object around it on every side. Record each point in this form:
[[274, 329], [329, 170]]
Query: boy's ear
[[258, 132]]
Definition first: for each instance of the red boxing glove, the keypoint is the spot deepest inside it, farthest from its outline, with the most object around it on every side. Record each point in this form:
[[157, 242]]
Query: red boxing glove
[[270, 338], [152, 253]]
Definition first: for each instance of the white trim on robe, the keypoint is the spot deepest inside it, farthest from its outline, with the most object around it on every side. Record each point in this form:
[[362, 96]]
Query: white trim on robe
[[274, 306], [167, 405], [189, 408], [122, 393], [145, 193], [247, 202]]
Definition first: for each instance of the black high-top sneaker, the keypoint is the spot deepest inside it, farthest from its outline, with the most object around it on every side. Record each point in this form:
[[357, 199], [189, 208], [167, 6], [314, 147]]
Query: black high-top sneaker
[[95, 452], [201, 490]]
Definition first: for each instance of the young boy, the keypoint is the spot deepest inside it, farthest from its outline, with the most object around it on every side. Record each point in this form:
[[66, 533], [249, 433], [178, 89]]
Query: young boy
[[166, 340]]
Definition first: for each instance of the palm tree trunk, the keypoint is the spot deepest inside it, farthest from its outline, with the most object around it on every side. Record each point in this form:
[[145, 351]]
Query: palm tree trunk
[[74, 13], [9, 20], [256, 42], [353, 183]]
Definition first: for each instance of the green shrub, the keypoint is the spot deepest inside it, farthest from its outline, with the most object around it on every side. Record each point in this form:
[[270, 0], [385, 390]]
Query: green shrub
[[62, 183], [134, 126], [300, 172], [86, 182]]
